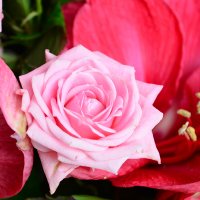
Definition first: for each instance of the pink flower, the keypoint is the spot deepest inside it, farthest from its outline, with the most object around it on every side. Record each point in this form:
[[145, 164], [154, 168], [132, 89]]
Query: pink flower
[[88, 117], [161, 39], [15, 158]]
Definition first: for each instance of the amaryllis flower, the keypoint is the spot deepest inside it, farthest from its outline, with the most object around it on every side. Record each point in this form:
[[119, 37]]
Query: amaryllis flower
[[15, 149], [161, 39]]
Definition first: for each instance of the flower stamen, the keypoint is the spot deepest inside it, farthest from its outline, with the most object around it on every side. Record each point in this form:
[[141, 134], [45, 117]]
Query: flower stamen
[[191, 133], [198, 107], [184, 113], [198, 95], [182, 130], [198, 104], [187, 129]]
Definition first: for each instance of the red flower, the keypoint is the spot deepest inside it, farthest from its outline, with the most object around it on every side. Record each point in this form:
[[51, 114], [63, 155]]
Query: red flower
[[161, 39], [15, 158]]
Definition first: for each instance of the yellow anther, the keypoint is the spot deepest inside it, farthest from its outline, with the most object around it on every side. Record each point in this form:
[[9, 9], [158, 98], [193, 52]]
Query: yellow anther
[[198, 95], [184, 113], [198, 107], [191, 132], [183, 128]]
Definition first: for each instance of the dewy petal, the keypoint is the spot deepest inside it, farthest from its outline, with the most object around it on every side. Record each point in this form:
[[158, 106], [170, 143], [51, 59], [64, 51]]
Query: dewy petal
[[135, 33], [188, 16]]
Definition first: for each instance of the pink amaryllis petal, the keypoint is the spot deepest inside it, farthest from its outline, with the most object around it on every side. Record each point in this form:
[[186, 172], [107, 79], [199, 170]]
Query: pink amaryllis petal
[[135, 33], [188, 16], [15, 157]]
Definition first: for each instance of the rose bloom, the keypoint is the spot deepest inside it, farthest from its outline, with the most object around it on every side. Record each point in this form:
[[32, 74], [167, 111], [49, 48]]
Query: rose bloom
[[161, 39], [88, 117]]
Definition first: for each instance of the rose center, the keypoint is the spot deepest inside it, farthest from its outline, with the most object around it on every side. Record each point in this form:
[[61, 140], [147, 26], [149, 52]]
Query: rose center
[[85, 105]]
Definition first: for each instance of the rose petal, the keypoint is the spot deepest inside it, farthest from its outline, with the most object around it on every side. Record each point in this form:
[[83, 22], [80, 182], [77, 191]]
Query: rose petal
[[55, 171]]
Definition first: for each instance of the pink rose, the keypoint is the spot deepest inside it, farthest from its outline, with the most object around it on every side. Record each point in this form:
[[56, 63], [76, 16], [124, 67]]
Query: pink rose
[[87, 115]]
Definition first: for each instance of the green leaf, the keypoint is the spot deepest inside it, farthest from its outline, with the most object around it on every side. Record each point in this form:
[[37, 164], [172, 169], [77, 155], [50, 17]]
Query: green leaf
[[55, 17], [64, 1], [87, 197], [53, 40], [25, 4]]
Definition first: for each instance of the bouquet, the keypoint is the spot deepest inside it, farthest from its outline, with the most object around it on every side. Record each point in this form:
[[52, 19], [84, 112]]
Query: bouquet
[[100, 99]]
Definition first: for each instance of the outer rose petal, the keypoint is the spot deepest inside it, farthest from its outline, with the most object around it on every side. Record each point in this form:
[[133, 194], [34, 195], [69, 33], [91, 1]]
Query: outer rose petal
[[134, 33], [14, 163], [55, 171], [188, 16]]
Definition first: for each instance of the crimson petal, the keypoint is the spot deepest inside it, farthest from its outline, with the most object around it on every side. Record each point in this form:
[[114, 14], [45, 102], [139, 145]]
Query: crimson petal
[[11, 162], [181, 177]]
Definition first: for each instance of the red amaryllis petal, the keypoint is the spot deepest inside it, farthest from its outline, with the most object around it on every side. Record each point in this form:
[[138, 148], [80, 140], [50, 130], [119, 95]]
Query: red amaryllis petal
[[11, 162], [169, 195], [189, 100], [15, 157], [188, 16], [135, 33], [183, 177], [69, 11]]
